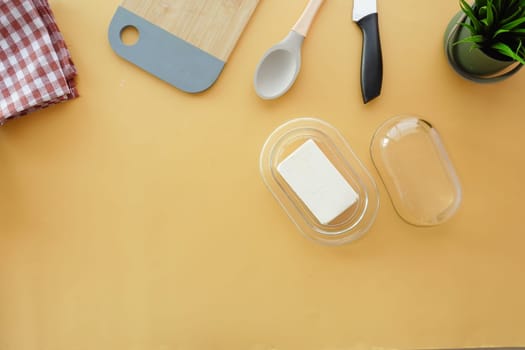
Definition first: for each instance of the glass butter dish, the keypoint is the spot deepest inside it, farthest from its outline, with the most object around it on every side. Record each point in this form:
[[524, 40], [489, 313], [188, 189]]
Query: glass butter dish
[[318, 180], [416, 170]]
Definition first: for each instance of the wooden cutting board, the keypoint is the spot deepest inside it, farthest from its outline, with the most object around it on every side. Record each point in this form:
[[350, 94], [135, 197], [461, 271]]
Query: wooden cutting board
[[183, 42]]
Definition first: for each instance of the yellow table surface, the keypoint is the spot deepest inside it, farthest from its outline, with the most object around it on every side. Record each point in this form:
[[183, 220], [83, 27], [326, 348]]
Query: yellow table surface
[[135, 217]]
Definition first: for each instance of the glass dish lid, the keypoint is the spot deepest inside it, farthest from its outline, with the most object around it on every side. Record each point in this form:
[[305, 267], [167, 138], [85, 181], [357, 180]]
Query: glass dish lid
[[416, 170]]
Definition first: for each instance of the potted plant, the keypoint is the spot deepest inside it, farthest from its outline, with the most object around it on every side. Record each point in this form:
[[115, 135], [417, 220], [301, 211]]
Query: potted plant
[[485, 41]]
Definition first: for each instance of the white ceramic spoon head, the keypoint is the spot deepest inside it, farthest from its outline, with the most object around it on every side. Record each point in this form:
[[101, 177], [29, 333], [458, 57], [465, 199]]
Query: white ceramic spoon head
[[278, 68]]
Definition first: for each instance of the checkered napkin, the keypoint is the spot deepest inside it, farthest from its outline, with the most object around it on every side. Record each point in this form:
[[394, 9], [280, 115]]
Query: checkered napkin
[[36, 69]]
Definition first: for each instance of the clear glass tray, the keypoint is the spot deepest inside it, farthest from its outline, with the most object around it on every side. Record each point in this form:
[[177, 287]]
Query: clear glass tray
[[353, 222]]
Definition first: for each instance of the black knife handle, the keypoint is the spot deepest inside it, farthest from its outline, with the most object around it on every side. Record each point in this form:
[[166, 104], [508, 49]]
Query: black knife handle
[[371, 58]]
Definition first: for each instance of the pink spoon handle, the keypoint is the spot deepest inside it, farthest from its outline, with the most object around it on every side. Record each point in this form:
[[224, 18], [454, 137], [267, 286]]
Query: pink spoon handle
[[303, 23]]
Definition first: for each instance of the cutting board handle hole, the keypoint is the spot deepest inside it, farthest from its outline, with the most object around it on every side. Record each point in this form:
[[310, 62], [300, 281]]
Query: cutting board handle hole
[[129, 35]]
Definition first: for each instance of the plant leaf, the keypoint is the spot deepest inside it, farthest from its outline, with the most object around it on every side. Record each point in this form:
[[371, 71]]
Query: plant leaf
[[467, 9], [471, 39], [490, 14], [468, 26], [507, 51], [497, 6], [500, 31], [511, 10], [515, 23]]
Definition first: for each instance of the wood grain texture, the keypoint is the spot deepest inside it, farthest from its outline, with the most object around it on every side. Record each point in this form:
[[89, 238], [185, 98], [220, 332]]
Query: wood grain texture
[[211, 25]]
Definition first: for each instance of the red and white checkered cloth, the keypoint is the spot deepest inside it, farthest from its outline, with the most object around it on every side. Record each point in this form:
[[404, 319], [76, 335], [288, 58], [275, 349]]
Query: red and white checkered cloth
[[36, 69]]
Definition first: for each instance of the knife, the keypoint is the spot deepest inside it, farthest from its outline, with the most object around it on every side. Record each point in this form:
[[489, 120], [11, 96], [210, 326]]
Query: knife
[[365, 15]]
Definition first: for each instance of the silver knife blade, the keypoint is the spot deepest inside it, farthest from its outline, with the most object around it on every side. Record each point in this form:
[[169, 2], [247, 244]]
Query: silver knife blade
[[363, 8]]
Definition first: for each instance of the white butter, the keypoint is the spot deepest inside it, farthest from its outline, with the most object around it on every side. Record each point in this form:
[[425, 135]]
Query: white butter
[[317, 182]]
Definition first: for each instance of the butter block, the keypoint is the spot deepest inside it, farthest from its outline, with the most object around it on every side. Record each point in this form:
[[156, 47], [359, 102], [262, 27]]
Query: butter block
[[317, 182]]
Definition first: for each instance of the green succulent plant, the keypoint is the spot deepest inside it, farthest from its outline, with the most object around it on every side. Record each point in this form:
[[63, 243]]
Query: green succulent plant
[[497, 27]]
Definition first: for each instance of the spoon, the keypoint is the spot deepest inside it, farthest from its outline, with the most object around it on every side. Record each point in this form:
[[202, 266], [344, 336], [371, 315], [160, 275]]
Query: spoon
[[280, 65]]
